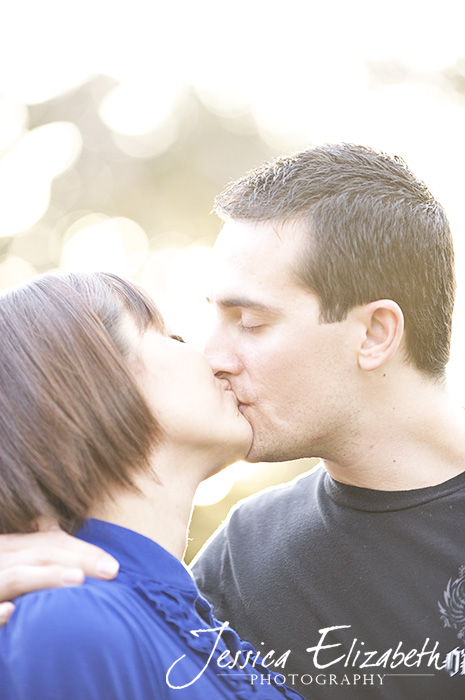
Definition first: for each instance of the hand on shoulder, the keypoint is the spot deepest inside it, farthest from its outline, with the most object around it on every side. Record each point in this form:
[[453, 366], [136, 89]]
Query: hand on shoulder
[[47, 559]]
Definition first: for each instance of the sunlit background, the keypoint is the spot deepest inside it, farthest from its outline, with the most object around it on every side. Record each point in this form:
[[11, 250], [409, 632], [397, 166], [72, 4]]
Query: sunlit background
[[120, 121]]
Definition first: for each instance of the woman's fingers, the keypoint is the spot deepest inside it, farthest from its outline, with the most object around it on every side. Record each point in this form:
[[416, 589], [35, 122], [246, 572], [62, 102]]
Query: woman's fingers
[[16, 580], [6, 610], [48, 560], [22, 578], [43, 548]]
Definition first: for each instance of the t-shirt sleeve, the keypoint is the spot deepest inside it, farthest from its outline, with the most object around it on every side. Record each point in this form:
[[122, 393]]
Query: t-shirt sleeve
[[70, 643]]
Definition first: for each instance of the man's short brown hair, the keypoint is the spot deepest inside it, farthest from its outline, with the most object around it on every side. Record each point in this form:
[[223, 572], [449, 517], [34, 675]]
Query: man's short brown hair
[[374, 232]]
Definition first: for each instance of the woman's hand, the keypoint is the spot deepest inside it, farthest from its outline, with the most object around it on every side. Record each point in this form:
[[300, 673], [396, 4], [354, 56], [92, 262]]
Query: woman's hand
[[47, 559]]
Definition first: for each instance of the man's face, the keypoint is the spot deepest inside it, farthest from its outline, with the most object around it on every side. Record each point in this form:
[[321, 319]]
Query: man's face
[[288, 370]]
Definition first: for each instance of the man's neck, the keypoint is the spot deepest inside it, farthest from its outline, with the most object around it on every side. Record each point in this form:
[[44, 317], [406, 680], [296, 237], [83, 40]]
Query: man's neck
[[414, 442]]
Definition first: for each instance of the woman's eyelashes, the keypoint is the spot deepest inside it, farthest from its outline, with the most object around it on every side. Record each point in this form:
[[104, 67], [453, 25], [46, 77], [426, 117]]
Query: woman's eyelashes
[[178, 338]]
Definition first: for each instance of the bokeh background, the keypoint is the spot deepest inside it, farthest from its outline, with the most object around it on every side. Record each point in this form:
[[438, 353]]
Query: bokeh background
[[120, 121]]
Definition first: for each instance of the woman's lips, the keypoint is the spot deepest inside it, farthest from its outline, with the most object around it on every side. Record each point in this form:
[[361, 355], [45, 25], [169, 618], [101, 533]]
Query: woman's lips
[[225, 384], [226, 387]]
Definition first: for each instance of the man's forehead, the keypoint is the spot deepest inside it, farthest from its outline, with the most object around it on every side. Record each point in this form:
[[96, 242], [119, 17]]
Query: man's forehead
[[236, 241], [252, 267], [241, 241]]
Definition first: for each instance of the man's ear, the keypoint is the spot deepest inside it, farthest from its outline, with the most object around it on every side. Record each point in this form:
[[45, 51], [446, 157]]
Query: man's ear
[[383, 330]]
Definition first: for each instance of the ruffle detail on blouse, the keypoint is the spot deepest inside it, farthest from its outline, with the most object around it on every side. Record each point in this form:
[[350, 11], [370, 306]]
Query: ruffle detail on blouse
[[181, 610]]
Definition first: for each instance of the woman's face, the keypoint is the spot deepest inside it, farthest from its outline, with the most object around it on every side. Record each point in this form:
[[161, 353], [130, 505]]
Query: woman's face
[[194, 408]]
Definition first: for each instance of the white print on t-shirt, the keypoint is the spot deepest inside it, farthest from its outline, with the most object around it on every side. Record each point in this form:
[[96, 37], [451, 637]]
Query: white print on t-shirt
[[453, 606]]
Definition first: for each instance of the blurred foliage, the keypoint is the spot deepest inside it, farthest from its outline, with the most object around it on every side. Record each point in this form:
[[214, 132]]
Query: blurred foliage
[[172, 191]]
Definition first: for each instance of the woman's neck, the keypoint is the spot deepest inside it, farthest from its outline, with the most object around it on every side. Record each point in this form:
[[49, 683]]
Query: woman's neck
[[162, 509]]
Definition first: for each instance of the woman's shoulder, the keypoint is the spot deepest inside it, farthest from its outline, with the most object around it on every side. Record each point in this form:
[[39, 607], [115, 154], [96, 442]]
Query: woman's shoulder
[[77, 642], [77, 614]]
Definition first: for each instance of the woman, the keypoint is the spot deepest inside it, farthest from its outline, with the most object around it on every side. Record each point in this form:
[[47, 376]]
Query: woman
[[107, 426]]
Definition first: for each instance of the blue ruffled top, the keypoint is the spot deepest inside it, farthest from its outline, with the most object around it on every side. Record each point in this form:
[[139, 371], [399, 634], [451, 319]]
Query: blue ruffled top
[[147, 635]]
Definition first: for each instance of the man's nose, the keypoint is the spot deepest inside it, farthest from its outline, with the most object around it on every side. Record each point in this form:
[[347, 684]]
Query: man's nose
[[221, 358]]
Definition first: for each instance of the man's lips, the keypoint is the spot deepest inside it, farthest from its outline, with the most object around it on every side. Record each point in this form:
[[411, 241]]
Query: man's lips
[[226, 386]]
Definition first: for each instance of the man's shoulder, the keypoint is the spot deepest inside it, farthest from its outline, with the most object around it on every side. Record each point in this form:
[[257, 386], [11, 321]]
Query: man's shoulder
[[297, 492], [274, 510]]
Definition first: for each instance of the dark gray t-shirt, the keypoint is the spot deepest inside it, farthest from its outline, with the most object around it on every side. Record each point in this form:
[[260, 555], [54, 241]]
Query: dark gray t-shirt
[[364, 588]]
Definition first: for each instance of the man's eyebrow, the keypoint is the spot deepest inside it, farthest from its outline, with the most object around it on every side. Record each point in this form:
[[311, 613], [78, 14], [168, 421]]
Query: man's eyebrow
[[242, 302]]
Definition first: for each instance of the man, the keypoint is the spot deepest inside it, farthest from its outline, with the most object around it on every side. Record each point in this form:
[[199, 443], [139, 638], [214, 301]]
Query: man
[[334, 294]]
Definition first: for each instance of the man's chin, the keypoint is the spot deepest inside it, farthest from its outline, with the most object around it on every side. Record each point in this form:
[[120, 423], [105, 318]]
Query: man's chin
[[260, 453]]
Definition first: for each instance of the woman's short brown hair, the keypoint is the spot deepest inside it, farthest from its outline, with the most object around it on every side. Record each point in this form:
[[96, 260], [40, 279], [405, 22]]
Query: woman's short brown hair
[[73, 422]]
